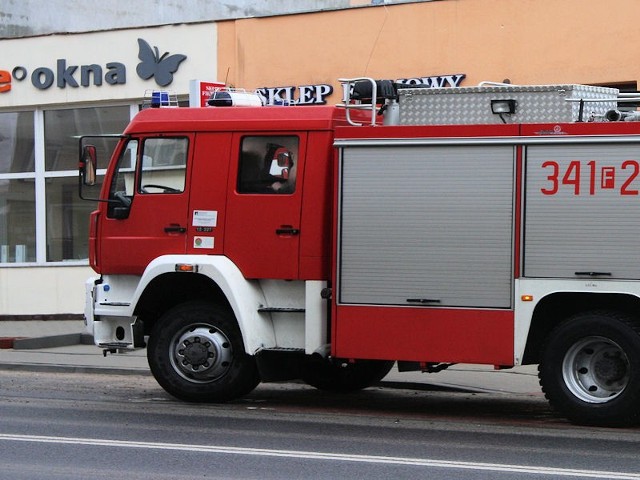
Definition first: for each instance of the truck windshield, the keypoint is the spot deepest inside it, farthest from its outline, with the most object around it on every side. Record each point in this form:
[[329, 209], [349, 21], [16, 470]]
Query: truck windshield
[[123, 181], [124, 175]]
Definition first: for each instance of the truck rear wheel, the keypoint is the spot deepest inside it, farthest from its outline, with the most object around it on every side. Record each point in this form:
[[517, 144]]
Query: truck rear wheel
[[590, 369], [336, 377], [196, 354]]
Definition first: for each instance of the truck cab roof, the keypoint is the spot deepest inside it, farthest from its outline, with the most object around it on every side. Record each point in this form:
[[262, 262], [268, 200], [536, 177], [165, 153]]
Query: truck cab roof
[[237, 119]]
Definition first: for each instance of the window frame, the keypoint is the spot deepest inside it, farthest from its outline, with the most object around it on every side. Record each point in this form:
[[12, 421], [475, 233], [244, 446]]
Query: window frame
[[40, 176], [142, 170]]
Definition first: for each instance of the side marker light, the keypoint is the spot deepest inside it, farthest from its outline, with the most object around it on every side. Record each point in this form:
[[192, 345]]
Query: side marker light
[[186, 267]]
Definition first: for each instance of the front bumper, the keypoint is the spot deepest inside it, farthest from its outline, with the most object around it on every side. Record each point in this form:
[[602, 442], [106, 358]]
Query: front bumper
[[110, 323]]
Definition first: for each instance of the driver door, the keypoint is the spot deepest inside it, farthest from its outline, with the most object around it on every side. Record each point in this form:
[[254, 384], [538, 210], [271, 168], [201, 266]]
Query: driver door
[[148, 203]]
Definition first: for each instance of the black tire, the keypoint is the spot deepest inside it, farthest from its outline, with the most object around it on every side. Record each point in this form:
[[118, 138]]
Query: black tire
[[196, 354], [344, 377], [590, 369]]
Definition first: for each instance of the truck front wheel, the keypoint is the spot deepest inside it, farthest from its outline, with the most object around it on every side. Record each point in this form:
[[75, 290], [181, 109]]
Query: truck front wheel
[[590, 369], [196, 354]]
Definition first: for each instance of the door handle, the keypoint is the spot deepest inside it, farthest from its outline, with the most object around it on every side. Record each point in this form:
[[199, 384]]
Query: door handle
[[174, 228], [287, 230], [423, 301]]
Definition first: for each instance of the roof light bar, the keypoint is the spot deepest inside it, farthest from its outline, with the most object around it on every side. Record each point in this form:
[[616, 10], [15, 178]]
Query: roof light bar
[[233, 98], [159, 99]]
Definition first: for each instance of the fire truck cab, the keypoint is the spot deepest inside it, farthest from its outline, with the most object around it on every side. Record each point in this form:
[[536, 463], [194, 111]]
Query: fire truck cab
[[489, 225]]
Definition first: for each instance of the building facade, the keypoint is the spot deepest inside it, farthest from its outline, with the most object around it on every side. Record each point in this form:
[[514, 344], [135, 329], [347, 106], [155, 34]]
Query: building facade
[[53, 90], [56, 87]]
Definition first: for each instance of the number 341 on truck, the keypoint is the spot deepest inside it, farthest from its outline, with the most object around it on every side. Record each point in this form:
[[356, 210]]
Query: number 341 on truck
[[425, 227]]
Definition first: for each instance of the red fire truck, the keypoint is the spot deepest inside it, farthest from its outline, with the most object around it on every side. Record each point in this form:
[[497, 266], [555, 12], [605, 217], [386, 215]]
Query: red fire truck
[[493, 225]]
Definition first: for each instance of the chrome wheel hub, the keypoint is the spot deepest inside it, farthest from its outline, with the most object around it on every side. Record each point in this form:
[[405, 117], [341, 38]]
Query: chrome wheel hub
[[596, 370], [201, 353]]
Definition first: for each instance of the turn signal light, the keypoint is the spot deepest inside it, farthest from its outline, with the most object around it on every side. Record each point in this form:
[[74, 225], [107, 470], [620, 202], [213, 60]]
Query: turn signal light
[[186, 267]]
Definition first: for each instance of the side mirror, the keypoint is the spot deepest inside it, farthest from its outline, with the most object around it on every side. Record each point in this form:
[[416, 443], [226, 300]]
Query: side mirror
[[88, 165]]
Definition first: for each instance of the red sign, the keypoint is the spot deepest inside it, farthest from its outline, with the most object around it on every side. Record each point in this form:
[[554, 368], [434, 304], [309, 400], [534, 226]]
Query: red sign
[[5, 81], [201, 91]]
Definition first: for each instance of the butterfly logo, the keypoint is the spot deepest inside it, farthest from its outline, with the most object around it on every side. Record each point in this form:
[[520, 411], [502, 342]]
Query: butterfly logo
[[154, 65]]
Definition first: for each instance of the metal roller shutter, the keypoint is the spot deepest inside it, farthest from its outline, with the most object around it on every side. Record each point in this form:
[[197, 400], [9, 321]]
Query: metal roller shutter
[[426, 222], [582, 210]]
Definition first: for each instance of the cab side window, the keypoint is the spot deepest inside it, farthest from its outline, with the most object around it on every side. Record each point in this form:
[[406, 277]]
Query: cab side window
[[164, 165], [268, 165]]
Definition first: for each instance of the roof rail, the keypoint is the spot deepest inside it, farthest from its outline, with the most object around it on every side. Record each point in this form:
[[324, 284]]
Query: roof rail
[[351, 103]]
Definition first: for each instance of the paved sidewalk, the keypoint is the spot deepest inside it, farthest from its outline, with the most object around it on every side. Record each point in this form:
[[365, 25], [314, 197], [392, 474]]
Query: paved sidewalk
[[46, 345], [63, 346]]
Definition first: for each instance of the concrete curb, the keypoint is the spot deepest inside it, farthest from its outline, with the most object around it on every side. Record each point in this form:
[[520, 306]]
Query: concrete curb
[[6, 343], [53, 368], [58, 368], [52, 341]]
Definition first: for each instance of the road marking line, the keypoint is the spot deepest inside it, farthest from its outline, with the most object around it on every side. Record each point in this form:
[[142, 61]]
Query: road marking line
[[422, 462]]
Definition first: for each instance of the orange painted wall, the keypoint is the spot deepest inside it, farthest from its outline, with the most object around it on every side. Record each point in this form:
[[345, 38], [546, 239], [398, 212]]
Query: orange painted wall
[[526, 41]]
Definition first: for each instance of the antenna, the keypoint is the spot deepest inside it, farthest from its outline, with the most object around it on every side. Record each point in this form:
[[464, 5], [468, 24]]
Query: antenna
[[375, 43]]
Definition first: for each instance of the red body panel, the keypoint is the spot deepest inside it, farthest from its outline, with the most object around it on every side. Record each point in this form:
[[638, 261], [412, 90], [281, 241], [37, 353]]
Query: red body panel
[[317, 199], [94, 254], [424, 334], [583, 128], [208, 188], [429, 131], [239, 119]]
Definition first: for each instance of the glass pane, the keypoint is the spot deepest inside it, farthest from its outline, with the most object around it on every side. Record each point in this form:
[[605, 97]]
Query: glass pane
[[67, 220], [124, 176], [268, 165], [164, 165], [16, 142], [17, 221], [63, 127], [123, 181]]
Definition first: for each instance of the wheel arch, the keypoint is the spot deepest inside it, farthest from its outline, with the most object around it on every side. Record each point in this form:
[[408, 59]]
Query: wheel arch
[[215, 279], [558, 306]]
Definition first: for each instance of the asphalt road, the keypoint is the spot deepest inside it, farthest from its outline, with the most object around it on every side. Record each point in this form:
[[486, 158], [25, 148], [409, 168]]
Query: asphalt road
[[88, 426]]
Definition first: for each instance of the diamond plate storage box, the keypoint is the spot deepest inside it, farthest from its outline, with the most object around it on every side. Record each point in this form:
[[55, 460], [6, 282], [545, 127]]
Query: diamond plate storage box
[[534, 104]]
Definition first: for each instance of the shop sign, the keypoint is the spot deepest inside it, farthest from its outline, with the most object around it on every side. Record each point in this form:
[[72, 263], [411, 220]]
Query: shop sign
[[200, 92], [305, 95], [152, 65], [317, 94], [435, 82]]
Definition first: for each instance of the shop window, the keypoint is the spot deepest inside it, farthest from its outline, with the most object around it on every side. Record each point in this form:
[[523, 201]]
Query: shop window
[[17, 188], [63, 127], [67, 220], [67, 216], [53, 228], [17, 220], [268, 165], [16, 142]]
